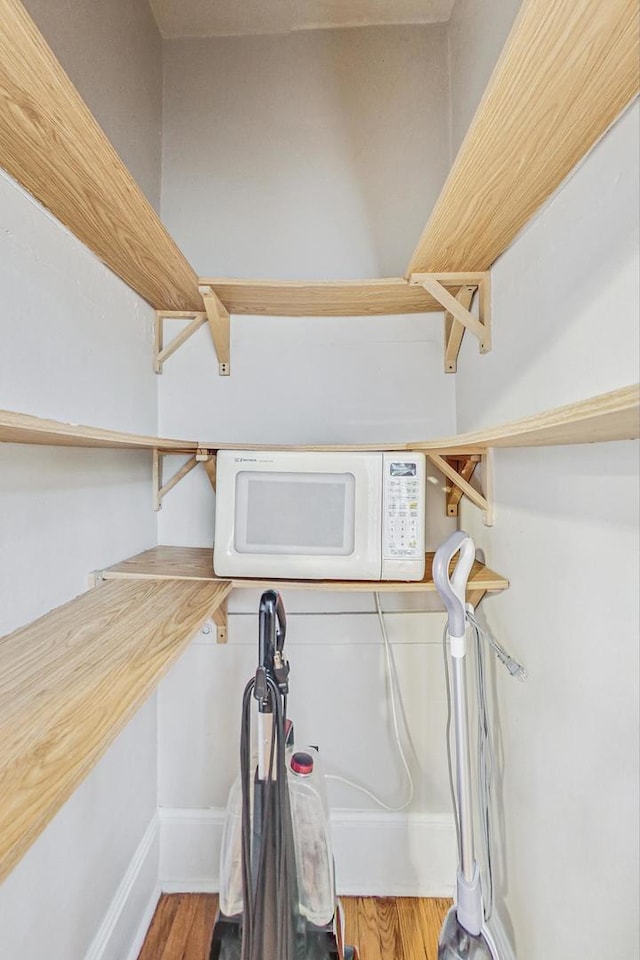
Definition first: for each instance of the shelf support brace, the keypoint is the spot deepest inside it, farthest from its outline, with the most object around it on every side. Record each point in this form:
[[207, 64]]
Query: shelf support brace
[[459, 481], [209, 462], [458, 316], [160, 489], [219, 324], [162, 353], [465, 467], [220, 618], [454, 330]]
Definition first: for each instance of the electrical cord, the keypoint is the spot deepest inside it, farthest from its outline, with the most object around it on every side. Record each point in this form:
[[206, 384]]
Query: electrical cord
[[486, 761], [394, 689], [485, 770], [452, 786], [515, 669]]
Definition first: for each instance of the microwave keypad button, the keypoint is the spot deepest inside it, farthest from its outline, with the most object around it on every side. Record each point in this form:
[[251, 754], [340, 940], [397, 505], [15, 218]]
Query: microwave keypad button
[[401, 533]]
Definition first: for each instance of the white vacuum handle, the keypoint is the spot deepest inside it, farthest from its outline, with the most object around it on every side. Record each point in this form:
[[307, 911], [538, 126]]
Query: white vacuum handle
[[453, 589]]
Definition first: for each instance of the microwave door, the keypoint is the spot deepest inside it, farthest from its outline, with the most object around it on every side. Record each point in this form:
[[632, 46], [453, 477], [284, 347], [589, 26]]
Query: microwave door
[[299, 515]]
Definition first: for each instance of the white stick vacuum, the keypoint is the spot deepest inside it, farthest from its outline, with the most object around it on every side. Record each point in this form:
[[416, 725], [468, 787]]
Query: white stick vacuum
[[465, 934]]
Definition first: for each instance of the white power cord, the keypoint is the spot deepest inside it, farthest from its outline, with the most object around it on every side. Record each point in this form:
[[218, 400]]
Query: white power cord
[[515, 669], [486, 760], [392, 679]]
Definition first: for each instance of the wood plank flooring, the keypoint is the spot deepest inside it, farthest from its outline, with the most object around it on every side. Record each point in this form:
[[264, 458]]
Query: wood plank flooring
[[383, 928]]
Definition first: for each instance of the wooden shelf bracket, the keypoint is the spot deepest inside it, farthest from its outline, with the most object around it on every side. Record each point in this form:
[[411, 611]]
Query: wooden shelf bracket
[[458, 316], [209, 462], [162, 352], [220, 618], [465, 468], [220, 326], [459, 471], [160, 489]]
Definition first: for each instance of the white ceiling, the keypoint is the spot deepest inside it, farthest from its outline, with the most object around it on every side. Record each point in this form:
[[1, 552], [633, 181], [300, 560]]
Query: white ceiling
[[220, 18]]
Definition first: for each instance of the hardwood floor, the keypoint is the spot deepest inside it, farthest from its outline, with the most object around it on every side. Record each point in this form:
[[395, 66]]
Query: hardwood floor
[[181, 928], [383, 928]]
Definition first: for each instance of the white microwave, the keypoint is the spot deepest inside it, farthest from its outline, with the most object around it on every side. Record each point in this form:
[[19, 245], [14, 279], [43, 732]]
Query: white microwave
[[312, 515]]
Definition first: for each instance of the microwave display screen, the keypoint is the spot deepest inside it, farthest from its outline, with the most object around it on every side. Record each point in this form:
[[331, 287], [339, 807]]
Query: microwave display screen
[[403, 469], [300, 514]]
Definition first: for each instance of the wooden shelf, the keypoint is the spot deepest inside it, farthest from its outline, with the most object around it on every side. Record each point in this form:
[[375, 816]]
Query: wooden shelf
[[567, 70], [69, 683], [196, 563], [24, 428], [52, 144], [609, 416], [349, 298], [71, 680], [520, 146]]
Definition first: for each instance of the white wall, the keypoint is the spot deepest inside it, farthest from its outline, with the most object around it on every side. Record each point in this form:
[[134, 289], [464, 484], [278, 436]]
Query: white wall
[[477, 32], [339, 701], [68, 326], [113, 54], [76, 346], [565, 321], [61, 900], [307, 156], [274, 166]]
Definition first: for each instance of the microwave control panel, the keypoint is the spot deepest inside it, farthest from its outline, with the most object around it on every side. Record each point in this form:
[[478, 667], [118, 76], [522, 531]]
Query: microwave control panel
[[403, 515]]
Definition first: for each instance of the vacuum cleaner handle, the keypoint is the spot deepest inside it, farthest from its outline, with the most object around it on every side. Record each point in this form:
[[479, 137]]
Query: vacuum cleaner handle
[[272, 630], [452, 589], [281, 629], [272, 626]]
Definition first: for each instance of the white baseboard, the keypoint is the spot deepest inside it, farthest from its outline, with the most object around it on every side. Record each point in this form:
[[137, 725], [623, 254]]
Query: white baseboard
[[190, 842], [394, 854], [377, 854], [145, 922], [124, 927]]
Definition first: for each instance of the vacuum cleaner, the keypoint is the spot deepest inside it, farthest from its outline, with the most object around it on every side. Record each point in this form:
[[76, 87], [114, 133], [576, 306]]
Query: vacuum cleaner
[[469, 932], [277, 893]]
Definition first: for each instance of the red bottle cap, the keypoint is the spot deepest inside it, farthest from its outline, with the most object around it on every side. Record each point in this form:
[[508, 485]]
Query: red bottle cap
[[302, 764]]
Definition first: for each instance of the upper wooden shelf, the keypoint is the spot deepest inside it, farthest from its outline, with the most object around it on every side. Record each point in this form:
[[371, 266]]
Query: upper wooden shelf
[[196, 563], [567, 70], [609, 416], [348, 298], [52, 144], [70, 682]]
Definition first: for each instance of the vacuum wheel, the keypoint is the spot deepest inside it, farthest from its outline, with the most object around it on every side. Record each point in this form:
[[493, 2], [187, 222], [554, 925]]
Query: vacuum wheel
[[350, 953], [227, 950], [226, 940]]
